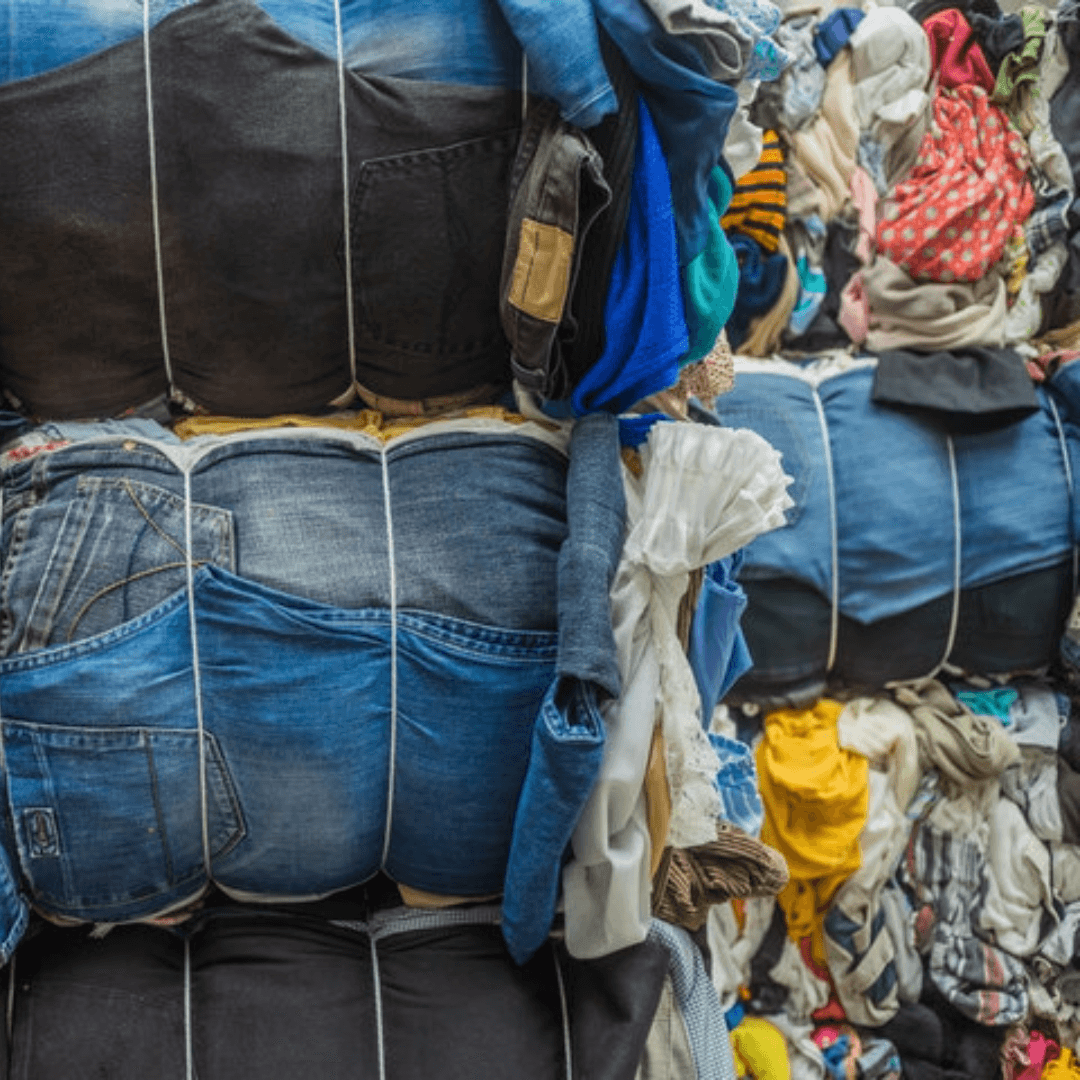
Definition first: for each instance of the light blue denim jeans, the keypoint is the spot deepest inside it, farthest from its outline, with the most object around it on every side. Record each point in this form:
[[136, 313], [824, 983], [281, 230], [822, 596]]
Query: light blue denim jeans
[[345, 676]]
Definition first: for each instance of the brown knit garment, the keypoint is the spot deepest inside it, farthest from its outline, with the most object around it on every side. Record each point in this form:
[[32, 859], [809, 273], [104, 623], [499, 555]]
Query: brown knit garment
[[735, 864]]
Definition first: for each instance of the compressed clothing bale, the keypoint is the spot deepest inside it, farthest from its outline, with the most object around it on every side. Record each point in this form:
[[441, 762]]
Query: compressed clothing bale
[[250, 315], [883, 544]]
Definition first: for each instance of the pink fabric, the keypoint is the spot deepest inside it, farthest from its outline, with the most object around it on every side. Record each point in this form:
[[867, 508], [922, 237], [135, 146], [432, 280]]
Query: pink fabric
[[954, 53], [967, 194], [854, 314], [864, 195], [1040, 1050]]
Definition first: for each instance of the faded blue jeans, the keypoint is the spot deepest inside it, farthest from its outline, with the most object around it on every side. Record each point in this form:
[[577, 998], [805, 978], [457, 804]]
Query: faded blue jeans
[[284, 661]]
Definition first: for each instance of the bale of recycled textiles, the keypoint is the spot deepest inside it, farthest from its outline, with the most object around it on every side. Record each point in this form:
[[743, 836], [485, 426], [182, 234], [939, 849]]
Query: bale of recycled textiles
[[862, 587]]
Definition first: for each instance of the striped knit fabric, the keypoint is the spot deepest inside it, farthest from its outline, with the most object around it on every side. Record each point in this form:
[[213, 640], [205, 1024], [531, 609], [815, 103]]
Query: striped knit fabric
[[760, 200]]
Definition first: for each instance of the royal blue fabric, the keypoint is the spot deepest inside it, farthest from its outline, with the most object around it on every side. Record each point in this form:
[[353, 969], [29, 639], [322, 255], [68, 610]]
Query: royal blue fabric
[[834, 32], [717, 651], [644, 321], [692, 111]]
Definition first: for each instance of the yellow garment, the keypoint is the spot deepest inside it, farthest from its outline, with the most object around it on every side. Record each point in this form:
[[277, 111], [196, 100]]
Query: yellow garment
[[1061, 1068], [816, 799], [418, 898], [367, 421], [760, 1050], [657, 799]]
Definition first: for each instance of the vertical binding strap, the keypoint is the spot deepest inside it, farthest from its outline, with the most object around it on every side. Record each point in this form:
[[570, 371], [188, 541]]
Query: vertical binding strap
[[346, 215], [380, 1043], [954, 617], [393, 658], [193, 631], [834, 538], [568, 1052], [155, 204], [1066, 463], [189, 1033]]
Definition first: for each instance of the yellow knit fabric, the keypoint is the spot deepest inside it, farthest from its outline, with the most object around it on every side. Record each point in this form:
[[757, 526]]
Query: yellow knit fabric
[[760, 1050], [816, 803], [1062, 1068]]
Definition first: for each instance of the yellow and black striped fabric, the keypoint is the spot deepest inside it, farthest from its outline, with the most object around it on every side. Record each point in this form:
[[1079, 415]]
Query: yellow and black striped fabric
[[758, 205]]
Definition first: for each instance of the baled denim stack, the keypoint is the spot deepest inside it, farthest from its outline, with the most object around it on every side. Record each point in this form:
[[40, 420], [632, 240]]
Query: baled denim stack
[[270, 662]]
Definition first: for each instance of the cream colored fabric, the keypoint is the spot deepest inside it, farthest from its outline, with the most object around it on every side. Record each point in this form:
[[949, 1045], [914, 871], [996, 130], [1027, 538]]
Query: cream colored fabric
[[827, 149], [963, 747], [1018, 868], [935, 315], [667, 1054], [883, 732], [890, 72], [703, 493]]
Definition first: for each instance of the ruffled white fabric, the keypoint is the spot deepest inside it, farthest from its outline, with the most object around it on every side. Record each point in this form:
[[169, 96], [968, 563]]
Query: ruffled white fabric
[[708, 492], [704, 493]]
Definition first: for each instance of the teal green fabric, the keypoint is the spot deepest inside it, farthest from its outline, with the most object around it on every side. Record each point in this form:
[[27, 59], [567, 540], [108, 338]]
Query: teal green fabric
[[711, 279]]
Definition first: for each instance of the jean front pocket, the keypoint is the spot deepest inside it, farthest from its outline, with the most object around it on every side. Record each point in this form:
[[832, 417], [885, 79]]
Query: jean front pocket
[[109, 821], [84, 563]]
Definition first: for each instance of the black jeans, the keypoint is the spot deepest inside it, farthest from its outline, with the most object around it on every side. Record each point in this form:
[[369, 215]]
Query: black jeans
[[248, 149]]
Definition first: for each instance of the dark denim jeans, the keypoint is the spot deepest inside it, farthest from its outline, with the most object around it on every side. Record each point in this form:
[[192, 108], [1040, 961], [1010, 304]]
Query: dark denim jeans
[[362, 637], [255, 262]]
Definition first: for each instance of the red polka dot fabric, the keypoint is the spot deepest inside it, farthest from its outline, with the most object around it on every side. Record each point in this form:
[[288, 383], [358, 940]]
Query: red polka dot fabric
[[968, 193]]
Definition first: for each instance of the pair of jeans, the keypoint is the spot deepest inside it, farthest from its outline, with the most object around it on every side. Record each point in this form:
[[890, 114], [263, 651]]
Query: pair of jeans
[[263, 257], [479, 44], [224, 655], [557, 191], [1009, 626]]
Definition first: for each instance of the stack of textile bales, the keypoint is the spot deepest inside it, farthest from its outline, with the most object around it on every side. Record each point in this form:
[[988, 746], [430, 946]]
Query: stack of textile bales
[[345, 713], [425, 650]]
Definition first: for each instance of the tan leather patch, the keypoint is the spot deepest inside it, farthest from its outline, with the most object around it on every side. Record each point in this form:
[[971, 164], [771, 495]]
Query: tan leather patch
[[541, 275]]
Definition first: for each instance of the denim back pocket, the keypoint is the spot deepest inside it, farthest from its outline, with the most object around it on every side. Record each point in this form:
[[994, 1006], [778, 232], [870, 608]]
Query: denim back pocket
[[108, 821], [98, 553], [427, 248], [101, 750]]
